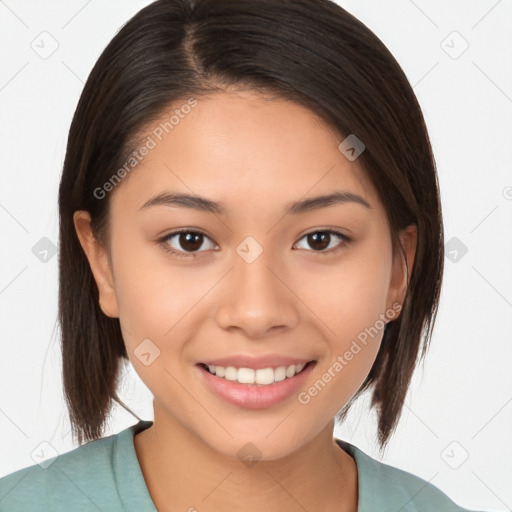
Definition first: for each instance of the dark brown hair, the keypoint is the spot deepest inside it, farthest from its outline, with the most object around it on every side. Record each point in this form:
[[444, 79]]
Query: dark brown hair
[[311, 52]]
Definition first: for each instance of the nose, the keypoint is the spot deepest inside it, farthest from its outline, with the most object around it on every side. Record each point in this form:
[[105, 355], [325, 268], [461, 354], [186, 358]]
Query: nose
[[257, 299]]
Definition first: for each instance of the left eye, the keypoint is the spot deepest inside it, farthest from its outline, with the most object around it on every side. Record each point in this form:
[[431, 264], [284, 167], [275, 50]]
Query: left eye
[[322, 241], [183, 242]]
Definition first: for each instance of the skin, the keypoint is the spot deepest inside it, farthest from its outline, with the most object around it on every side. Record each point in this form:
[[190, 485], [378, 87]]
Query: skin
[[254, 155]]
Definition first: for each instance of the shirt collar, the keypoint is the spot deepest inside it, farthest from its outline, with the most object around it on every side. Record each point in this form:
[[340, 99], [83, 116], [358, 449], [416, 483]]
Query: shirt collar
[[132, 488]]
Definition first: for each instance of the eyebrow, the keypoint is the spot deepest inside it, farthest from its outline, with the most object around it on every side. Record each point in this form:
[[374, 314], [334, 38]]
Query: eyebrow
[[206, 205]]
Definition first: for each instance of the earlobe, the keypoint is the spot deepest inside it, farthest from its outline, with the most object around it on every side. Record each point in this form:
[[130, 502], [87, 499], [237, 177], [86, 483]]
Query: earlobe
[[99, 263], [403, 262]]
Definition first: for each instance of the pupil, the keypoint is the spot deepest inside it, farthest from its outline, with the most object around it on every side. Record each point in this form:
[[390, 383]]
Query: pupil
[[319, 240], [191, 241]]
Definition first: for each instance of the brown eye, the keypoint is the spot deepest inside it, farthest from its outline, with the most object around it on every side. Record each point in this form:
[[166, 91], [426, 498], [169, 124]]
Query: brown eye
[[184, 243], [190, 241], [319, 241]]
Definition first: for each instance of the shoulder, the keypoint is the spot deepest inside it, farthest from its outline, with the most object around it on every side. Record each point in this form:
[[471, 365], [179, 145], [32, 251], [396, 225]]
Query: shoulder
[[78, 477], [386, 488]]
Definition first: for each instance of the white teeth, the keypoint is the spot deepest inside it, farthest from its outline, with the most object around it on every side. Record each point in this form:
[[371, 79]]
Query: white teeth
[[231, 373], [280, 373], [246, 375], [290, 371], [264, 376], [261, 376]]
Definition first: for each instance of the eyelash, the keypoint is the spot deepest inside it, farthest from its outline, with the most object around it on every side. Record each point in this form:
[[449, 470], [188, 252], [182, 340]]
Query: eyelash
[[163, 241]]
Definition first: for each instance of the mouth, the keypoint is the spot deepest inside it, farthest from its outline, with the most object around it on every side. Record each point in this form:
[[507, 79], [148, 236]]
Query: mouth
[[254, 388], [256, 376]]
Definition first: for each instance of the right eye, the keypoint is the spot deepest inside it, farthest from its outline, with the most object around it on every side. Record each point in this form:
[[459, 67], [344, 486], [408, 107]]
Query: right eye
[[322, 240], [185, 242]]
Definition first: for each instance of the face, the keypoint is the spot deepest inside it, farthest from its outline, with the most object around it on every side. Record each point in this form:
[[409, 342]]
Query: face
[[250, 282]]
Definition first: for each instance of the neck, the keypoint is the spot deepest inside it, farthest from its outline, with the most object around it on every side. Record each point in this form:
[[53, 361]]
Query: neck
[[182, 472]]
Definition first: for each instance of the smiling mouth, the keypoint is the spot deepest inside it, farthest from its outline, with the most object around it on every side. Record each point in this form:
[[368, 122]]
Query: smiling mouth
[[260, 376]]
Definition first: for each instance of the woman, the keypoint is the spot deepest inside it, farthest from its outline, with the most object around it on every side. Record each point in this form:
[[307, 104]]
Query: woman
[[249, 213]]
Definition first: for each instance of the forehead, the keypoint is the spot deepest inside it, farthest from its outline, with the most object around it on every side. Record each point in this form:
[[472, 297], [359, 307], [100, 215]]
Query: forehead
[[244, 150]]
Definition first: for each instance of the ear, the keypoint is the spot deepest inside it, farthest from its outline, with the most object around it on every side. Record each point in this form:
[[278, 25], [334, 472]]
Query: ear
[[99, 263], [401, 272]]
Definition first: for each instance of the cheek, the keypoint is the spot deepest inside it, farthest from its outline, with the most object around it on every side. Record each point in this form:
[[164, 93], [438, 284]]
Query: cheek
[[155, 305], [349, 296], [158, 316], [163, 302], [153, 296], [349, 304]]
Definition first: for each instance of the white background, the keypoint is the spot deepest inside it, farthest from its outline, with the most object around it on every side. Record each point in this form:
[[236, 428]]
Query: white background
[[460, 403]]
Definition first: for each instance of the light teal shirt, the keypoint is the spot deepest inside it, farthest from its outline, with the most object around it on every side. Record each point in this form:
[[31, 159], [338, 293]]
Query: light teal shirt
[[105, 475]]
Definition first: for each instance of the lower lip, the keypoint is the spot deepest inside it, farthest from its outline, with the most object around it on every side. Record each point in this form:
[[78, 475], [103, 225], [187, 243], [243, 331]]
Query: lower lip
[[252, 396]]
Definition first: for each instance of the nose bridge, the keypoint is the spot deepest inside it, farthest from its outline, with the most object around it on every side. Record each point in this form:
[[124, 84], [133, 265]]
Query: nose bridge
[[256, 300]]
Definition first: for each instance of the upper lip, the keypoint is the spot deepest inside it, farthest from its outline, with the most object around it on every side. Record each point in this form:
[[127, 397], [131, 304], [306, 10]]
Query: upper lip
[[248, 361]]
